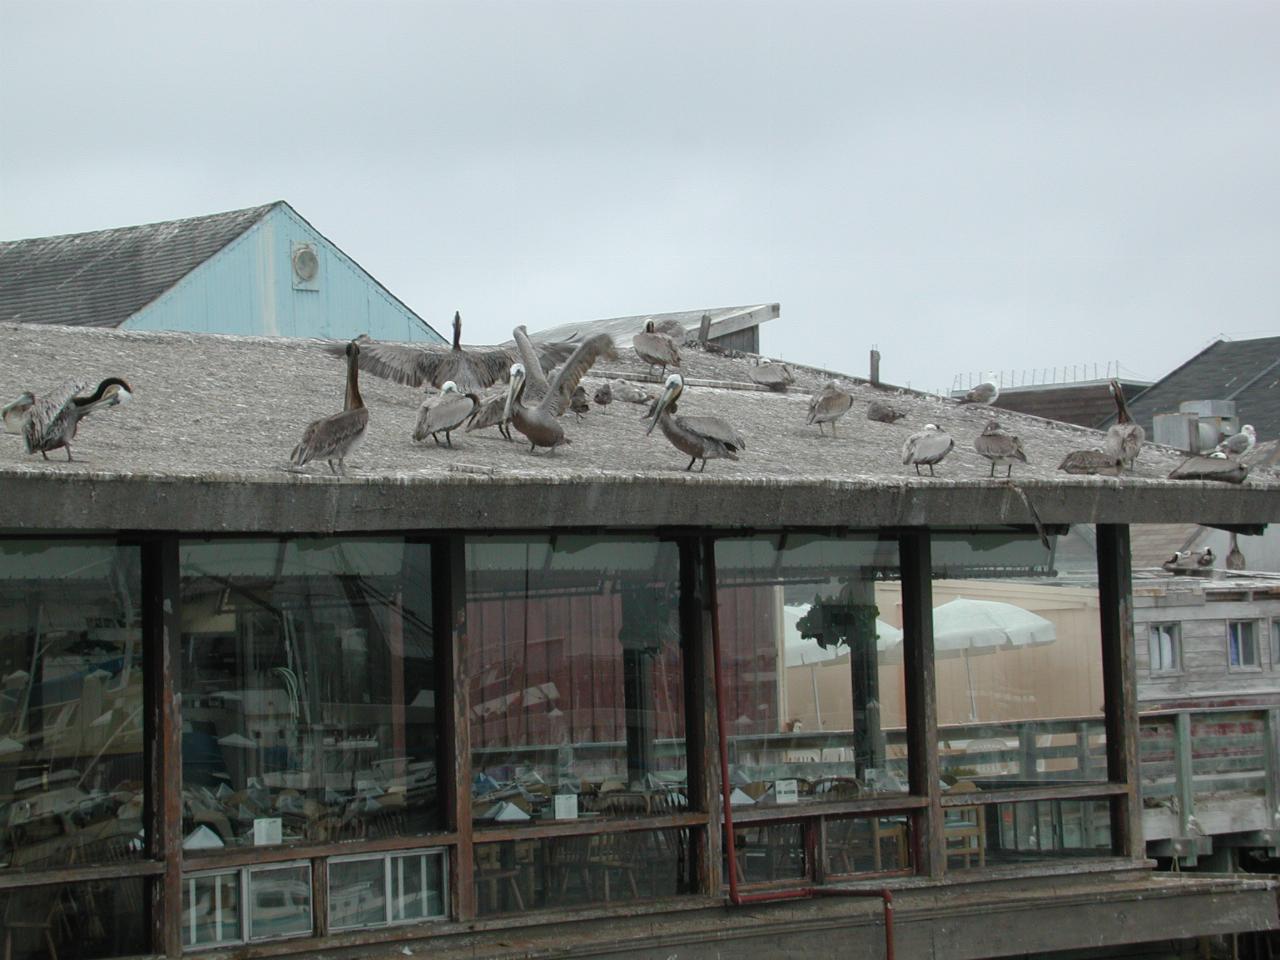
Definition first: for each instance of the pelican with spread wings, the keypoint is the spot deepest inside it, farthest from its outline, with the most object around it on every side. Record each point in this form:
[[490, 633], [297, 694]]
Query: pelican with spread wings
[[541, 423]]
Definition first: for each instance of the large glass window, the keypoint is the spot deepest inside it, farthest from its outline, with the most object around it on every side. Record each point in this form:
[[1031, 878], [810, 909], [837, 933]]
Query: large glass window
[[576, 678], [1018, 648], [71, 717], [75, 921], [811, 650], [308, 681]]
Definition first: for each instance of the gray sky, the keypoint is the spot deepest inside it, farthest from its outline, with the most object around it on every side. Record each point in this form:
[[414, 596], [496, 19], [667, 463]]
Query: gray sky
[[968, 185]]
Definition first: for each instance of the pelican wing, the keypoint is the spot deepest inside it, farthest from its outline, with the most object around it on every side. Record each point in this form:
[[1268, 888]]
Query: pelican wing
[[535, 385], [829, 403], [1210, 468], [772, 375], [715, 429], [46, 415], [489, 413], [575, 368], [445, 414], [331, 436], [656, 348]]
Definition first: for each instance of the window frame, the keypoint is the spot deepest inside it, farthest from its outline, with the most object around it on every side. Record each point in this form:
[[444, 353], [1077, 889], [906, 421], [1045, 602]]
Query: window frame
[[1242, 667], [1152, 639]]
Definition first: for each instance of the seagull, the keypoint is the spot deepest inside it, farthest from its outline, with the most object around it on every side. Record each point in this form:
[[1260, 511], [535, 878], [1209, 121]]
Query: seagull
[[578, 402], [604, 396], [927, 447], [12, 413], [702, 438], [883, 412], [828, 405], [1001, 448], [985, 392], [540, 424], [775, 376], [51, 422], [1124, 438], [335, 436], [445, 414], [656, 349], [1239, 444]]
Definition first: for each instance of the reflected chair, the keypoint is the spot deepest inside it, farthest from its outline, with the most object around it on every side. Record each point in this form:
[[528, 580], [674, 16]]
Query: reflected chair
[[35, 909], [490, 872], [614, 853], [965, 829]]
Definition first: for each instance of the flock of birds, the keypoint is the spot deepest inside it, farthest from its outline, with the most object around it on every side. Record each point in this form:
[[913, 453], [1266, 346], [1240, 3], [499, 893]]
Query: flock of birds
[[544, 382]]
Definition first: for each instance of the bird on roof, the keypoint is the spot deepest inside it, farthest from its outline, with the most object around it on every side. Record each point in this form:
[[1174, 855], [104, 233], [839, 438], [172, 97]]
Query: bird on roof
[[493, 410], [775, 376], [334, 437], [927, 447], [51, 422], [884, 412], [1090, 461], [672, 328], [1000, 447], [1214, 467], [471, 368], [13, 412], [828, 405], [1237, 445], [988, 391], [701, 438], [445, 414], [656, 349], [578, 402], [1235, 558], [628, 392], [1124, 438], [491, 413], [604, 396], [540, 423]]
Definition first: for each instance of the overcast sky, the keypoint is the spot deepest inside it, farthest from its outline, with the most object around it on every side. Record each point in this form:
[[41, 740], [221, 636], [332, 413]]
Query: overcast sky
[[967, 185]]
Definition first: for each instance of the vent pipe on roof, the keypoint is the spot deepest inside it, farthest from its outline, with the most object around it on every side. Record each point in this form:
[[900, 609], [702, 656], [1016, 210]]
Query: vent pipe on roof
[[1198, 426], [875, 366]]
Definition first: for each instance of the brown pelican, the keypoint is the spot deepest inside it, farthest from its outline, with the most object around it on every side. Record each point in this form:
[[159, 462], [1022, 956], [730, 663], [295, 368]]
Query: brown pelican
[[883, 412], [604, 396], [540, 423], [51, 422], [1210, 468], [493, 411], [656, 349], [702, 438], [471, 368], [1001, 448], [1239, 444], [985, 392], [927, 447], [1089, 461], [828, 405], [673, 329], [578, 402], [628, 392], [1235, 558], [445, 414], [12, 413], [1125, 437], [334, 437], [775, 376]]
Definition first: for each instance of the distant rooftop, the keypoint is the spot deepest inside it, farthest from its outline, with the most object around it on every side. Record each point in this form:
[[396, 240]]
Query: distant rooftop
[[724, 321]]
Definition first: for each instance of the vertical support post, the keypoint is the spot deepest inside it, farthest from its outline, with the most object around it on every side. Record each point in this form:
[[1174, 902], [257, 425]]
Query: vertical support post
[[162, 646], [1271, 737], [320, 896], [875, 367], [1184, 772], [449, 615], [1119, 686], [697, 607], [916, 554]]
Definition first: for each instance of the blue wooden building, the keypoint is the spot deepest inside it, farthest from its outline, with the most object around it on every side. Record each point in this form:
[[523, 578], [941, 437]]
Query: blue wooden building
[[260, 271]]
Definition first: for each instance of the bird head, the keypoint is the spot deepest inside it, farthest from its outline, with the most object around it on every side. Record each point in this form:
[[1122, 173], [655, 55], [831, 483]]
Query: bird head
[[517, 384], [932, 426], [113, 390], [993, 426], [649, 326], [449, 387], [1248, 428], [671, 391]]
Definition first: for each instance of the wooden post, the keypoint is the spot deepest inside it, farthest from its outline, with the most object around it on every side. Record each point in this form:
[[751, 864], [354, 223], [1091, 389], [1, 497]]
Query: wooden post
[[1119, 687], [1272, 740], [1184, 774], [875, 367], [922, 705], [697, 607]]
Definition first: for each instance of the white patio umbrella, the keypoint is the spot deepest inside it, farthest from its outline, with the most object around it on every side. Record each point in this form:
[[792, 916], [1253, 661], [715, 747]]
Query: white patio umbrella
[[799, 651], [963, 625]]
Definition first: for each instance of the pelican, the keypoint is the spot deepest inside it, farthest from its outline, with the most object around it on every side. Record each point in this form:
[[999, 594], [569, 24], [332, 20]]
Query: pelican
[[883, 412], [12, 413], [1125, 437], [446, 414], [702, 438], [578, 402], [927, 447], [1241, 443], [1001, 448], [493, 412], [828, 405], [656, 349], [1219, 468], [604, 396], [334, 437], [540, 424], [1089, 461], [775, 376], [628, 392], [51, 422], [985, 392], [471, 368]]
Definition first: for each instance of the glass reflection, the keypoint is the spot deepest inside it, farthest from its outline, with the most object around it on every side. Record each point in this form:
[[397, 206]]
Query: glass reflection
[[210, 909], [308, 687], [75, 921], [279, 901], [810, 631], [577, 678], [868, 844], [71, 767], [984, 835]]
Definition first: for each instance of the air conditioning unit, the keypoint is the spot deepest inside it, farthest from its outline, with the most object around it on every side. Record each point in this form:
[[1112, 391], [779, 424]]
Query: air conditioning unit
[[1198, 426]]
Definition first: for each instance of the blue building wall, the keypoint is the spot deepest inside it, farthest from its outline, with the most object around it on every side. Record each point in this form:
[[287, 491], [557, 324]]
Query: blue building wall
[[249, 288]]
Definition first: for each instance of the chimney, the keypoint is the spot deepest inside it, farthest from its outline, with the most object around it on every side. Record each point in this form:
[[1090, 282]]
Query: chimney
[[875, 366]]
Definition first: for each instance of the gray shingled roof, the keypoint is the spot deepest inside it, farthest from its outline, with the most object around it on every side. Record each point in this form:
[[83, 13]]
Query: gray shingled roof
[[1246, 371], [100, 279], [724, 320], [206, 438]]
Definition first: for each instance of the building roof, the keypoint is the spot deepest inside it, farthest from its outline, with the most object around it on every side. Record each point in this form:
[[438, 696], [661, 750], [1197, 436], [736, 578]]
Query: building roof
[[1246, 371], [204, 442], [1087, 403], [102, 278], [724, 321]]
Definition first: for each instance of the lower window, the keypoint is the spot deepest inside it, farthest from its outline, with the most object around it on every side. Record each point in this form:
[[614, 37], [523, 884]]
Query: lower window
[[100, 918], [256, 903], [385, 890]]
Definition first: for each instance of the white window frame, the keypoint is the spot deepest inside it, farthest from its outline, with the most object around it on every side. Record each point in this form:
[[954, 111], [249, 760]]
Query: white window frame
[[247, 913], [1154, 632], [1244, 667], [215, 944], [439, 854]]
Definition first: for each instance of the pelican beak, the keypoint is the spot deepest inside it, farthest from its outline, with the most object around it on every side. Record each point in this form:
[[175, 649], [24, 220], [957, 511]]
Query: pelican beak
[[517, 378], [657, 410]]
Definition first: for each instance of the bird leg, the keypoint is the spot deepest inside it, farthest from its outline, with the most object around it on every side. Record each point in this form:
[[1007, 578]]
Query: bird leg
[[43, 454], [931, 473], [448, 440], [993, 468], [68, 449], [332, 468], [703, 468], [437, 440], [833, 428], [1010, 473], [692, 461], [918, 473]]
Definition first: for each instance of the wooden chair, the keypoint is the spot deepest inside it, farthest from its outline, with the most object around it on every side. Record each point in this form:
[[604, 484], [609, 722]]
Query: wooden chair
[[491, 871], [32, 908], [965, 829]]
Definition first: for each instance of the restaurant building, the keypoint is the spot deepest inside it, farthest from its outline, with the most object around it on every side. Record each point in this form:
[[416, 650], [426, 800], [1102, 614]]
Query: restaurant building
[[482, 702]]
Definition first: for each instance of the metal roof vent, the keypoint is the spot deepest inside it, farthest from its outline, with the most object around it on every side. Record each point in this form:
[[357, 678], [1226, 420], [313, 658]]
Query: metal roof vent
[[306, 267]]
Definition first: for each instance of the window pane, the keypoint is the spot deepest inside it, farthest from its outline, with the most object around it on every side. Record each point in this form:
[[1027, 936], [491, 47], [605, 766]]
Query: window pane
[[1018, 652], [417, 886], [810, 634], [308, 691], [357, 893], [71, 763], [1275, 644], [76, 921], [627, 867], [768, 852], [279, 902], [211, 909], [1242, 643], [577, 678], [993, 834], [868, 844]]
